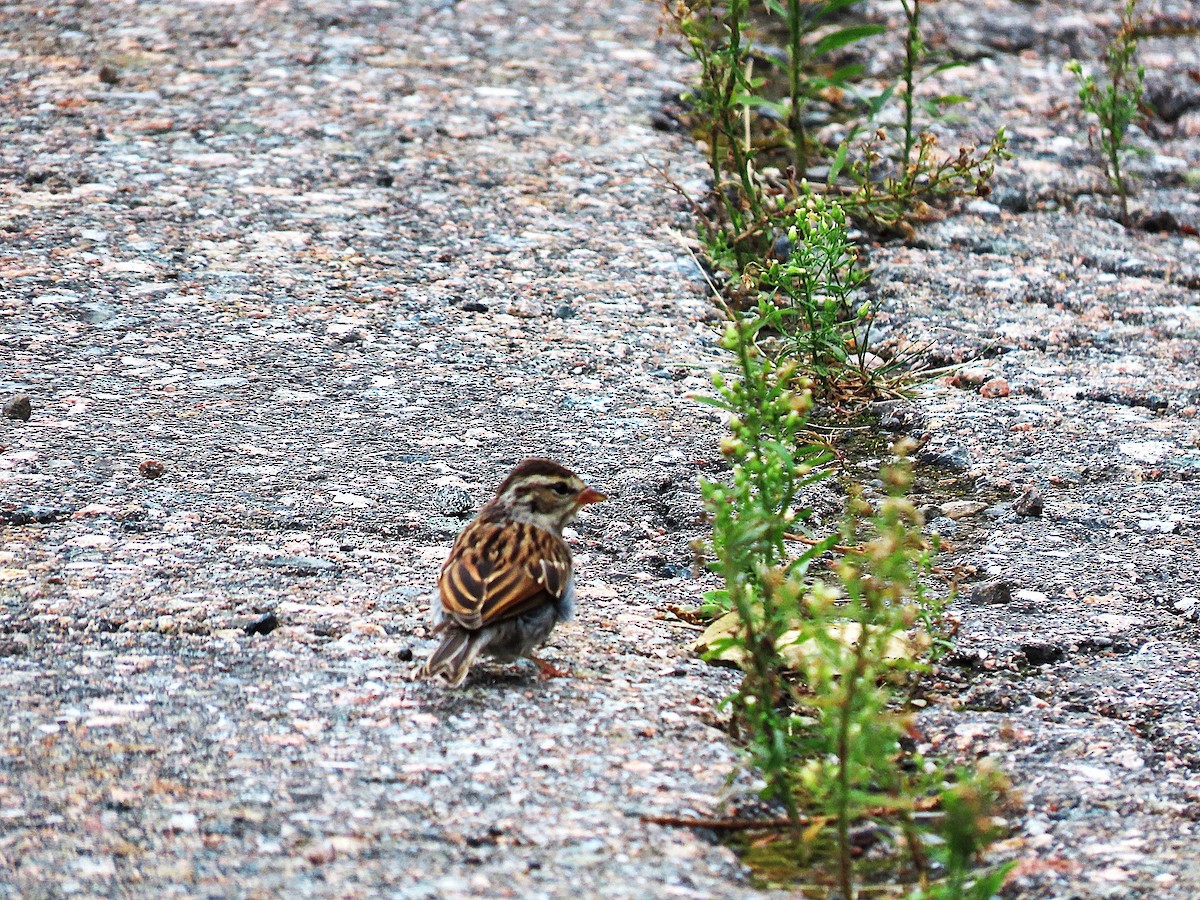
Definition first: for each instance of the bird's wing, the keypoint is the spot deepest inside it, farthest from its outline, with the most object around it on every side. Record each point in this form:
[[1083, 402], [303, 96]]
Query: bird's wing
[[483, 581]]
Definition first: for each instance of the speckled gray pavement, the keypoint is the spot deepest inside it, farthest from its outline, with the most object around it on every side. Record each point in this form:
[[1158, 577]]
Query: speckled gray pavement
[[333, 264], [326, 266]]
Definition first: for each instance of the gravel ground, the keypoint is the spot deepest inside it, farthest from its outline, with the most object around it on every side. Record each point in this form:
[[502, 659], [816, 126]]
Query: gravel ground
[[335, 267]]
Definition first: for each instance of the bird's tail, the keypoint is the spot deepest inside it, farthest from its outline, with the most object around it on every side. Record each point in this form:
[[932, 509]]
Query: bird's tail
[[454, 656]]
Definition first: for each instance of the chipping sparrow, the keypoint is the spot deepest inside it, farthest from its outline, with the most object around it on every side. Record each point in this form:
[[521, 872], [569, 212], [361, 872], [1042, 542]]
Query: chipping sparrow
[[508, 580]]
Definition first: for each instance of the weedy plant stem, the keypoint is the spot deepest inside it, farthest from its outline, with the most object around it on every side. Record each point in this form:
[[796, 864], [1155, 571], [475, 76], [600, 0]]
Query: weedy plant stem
[[912, 53], [1116, 103], [829, 662]]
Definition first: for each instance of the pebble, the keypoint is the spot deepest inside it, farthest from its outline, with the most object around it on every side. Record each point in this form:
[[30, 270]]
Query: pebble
[[35, 514], [961, 509], [1158, 526], [151, 468], [953, 456], [971, 376], [1031, 503], [995, 387], [998, 590], [18, 406], [898, 415], [264, 624], [453, 501], [1042, 652], [944, 526]]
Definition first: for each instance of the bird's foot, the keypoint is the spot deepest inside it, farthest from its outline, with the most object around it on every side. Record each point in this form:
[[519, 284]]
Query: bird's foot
[[546, 670]]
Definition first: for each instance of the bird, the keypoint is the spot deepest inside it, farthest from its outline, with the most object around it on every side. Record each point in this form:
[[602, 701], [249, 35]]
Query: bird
[[509, 578]]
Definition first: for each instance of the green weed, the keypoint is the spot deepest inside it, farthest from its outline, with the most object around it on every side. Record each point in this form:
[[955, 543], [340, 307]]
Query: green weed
[[1115, 102]]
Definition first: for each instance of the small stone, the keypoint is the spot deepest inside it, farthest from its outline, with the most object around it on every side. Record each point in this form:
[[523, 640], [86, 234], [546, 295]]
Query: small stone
[[264, 624], [1041, 652], [183, 822], [564, 312], [952, 456], [525, 309], [1030, 503], [984, 209], [898, 415], [998, 590], [151, 468], [18, 407], [474, 307], [970, 376], [961, 509], [451, 500], [944, 526], [1158, 526], [108, 75], [35, 514], [346, 333], [996, 387]]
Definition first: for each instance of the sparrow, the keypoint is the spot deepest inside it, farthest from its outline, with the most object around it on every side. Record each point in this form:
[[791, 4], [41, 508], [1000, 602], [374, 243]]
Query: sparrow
[[508, 579]]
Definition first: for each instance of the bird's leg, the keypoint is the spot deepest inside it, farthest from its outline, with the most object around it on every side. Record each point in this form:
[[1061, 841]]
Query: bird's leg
[[546, 670]]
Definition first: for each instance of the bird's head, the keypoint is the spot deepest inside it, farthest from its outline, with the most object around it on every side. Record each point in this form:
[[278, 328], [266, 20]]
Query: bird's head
[[543, 493]]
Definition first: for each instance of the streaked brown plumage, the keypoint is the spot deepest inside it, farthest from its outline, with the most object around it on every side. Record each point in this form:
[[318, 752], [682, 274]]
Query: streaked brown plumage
[[508, 579]]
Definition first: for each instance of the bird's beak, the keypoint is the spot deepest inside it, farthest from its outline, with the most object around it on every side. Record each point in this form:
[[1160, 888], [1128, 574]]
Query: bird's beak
[[587, 495]]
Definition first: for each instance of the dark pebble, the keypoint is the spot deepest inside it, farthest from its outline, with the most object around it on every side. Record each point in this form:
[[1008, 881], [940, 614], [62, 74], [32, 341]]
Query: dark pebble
[[264, 624], [996, 591], [151, 468], [1158, 220], [1030, 503], [474, 307], [1124, 398], [1041, 652], [952, 456], [674, 570], [662, 120], [18, 407], [301, 565], [108, 75], [405, 655], [898, 415], [34, 514], [564, 312]]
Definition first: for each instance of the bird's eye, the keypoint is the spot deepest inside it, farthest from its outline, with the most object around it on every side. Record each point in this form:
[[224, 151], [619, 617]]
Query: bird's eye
[[562, 489]]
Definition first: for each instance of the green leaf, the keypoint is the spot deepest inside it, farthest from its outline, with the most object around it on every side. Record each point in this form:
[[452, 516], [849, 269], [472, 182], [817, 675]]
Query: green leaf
[[834, 5], [716, 402], [843, 37], [946, 67]]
